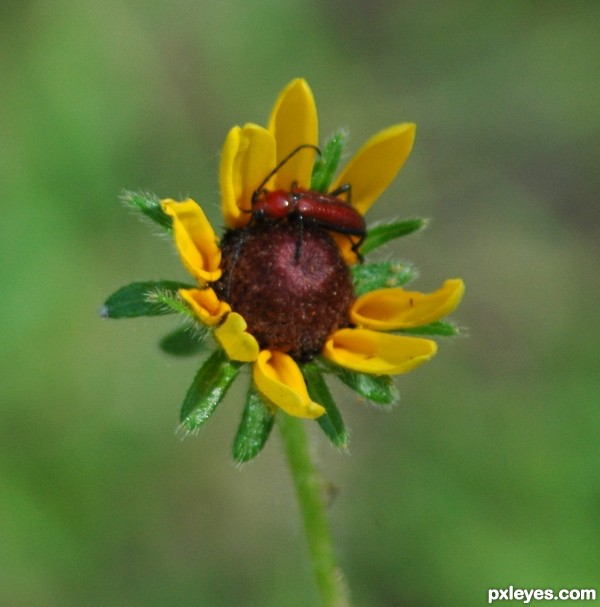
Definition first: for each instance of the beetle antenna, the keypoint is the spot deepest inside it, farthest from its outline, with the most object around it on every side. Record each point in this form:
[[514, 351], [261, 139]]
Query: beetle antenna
[[281, 163]]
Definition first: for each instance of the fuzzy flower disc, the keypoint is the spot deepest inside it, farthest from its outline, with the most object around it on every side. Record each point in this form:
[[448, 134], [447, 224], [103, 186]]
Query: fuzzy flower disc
[[291, 285]]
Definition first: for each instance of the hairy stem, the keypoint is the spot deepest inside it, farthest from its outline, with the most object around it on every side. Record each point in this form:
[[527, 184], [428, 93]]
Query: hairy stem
[[309, 488]]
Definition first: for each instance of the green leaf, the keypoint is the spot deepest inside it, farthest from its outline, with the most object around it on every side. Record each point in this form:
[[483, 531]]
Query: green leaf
[[207, 390], [331, 422], [149, 205], [379, 389], [142, 299], [380, 234], [184, 341], [254, 429], [326, 165], [442, 328], [384, 275]]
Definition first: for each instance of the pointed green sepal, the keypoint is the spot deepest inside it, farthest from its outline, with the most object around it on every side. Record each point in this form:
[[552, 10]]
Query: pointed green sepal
[[207, 390], [331, 422], [254, 429], [443, 328], [149, 205], [327, 163], [184, 341], [379, 389], [370, 276], [170, 300], [380, 234], [148, 298]]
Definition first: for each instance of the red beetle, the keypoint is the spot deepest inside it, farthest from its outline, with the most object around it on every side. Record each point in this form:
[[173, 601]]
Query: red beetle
[[327, 211]]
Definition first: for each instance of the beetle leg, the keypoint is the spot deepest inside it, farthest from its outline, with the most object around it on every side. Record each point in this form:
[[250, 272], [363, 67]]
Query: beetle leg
[[345, 188], [356, 246], [299, 240]]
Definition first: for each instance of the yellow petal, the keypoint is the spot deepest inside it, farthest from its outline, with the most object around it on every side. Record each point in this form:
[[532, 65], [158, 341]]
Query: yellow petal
[[345, 243], [279, 378], [374, 167], [205, 304], [248, 157], [195, 239], [368, 351], [293, 123], [238, 344], [390, 309]]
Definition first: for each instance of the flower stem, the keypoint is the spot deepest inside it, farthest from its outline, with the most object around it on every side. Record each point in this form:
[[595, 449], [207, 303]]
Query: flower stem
[[309, 486]]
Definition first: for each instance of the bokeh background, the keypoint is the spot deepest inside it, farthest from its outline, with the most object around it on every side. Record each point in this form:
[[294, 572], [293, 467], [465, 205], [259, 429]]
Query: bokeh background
[[486, 475]]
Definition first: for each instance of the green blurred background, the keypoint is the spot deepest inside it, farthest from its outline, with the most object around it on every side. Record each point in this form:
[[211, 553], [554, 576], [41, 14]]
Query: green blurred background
[[486, 475]]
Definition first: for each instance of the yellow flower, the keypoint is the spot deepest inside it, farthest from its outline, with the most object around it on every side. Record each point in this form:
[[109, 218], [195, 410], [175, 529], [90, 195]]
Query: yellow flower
[[367, 342]]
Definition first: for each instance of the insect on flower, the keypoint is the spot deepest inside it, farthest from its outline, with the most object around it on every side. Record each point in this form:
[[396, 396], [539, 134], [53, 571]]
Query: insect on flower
[[302, 206], [280, 290]]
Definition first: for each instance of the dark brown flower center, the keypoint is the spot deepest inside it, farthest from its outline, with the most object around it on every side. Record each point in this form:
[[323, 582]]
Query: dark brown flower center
[[291, 286]]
